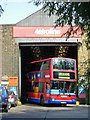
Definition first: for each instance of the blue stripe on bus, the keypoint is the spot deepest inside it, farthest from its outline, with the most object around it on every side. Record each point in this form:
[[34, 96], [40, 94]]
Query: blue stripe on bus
[[62, 102], [51, 101], [34, 100]]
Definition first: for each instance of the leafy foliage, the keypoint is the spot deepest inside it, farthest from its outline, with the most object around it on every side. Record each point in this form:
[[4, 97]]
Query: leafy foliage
[[86, 75], [1, 10], [69, 13]]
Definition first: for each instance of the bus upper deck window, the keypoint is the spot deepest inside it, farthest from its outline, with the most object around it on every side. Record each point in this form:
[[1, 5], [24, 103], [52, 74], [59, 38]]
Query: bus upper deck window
[[63, 64]]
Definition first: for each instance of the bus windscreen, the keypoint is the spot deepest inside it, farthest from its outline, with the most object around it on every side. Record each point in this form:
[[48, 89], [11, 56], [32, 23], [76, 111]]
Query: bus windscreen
[[63, 64], [62, 87]]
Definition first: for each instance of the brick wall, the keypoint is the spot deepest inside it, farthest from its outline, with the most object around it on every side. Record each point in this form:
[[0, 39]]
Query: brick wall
[[82, 56], [10, 51], [0, 53]]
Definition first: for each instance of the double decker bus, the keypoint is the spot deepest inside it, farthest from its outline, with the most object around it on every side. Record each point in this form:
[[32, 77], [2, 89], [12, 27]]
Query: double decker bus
[[52, 80]]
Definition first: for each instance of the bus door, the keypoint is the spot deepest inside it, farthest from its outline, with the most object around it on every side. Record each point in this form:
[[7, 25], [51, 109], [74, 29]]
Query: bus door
[[47, 92]]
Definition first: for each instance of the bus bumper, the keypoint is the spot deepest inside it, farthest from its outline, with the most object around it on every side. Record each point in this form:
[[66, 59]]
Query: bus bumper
[[59, 102], [53, 101]]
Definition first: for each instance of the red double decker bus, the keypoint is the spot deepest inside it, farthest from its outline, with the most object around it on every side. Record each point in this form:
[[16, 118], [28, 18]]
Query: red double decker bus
[[52, 80]]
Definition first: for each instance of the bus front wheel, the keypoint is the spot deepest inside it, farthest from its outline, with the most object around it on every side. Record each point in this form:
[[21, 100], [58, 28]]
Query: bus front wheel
[[41, 101]]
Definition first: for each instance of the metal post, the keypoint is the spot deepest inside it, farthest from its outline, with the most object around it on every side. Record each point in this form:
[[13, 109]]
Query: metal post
[[88, 92], [19, 89], [77, 72]]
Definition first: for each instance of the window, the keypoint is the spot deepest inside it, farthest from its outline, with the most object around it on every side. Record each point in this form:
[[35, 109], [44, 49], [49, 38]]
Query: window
[[41, 87], [47, 87], [67, 85], [63, 64], [45, 65], [63, 86], [1, 91], [72, 87], [57, 85], [35, 87]]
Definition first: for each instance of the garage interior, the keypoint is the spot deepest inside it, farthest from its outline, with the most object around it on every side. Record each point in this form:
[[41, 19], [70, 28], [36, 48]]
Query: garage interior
[[34, 52]]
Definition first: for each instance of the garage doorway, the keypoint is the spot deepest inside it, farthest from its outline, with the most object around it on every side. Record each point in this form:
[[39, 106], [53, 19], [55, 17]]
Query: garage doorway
[[33, 52]]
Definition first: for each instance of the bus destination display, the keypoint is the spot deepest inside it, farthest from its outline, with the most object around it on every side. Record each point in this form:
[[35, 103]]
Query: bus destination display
[[63, 75]]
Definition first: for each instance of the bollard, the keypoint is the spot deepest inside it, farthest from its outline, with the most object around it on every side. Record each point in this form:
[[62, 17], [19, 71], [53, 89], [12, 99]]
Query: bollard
[[77, 102], [19, 103]]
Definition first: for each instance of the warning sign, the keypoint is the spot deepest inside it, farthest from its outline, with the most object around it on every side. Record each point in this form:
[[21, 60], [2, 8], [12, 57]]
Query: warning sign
[[13, 81]]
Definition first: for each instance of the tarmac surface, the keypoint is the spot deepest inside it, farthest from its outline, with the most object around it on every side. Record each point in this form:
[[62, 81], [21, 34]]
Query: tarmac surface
[[57, 112]]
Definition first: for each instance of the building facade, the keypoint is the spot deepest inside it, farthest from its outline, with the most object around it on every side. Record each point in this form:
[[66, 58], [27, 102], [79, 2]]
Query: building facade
[[12, 50]]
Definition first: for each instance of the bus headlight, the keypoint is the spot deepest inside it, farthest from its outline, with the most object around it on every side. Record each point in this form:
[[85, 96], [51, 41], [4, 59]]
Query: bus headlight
[[53, 99], [73, 99]]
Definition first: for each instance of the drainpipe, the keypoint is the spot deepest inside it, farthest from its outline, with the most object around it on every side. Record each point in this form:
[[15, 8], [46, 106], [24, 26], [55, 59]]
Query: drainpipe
[[77, 72]]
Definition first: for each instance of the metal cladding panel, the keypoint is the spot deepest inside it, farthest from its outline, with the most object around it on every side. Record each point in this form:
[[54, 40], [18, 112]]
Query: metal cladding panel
[[39, 18]]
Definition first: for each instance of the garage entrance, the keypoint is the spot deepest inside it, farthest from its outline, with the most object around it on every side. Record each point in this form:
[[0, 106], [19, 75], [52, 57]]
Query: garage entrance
[[32, 52]]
